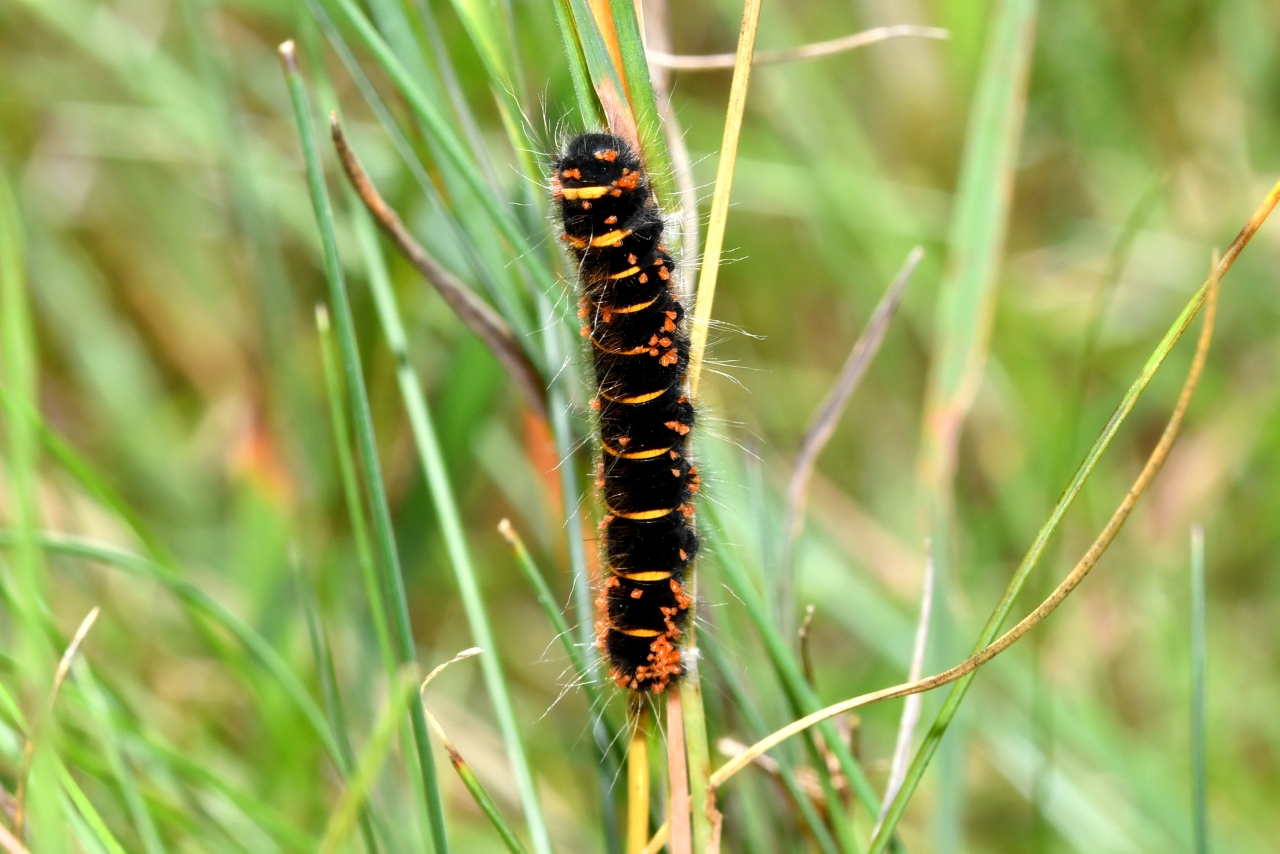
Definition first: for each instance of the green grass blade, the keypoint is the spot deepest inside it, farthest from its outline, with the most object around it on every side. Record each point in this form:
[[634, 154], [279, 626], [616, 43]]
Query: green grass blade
[[1037, 548], [375, 491], [384, 730], [135, 804], [644, 103], [611, 750], [436, 473], [758, 729], [203, 604], [588, 106], [477, 790], [594, 50], [966, 309], [351, 493], [800, 693], [322, 655], [101, 833], [1199, 771]]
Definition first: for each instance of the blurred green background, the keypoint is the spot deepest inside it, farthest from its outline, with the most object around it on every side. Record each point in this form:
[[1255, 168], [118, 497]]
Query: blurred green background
[[172, 267]]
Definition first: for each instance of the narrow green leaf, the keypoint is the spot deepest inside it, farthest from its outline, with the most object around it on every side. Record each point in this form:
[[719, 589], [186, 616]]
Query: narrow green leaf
[[366, 444], [436, 473], [404, 692]]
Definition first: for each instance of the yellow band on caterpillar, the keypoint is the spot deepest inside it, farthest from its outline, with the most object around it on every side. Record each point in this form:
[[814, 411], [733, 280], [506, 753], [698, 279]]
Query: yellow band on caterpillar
[[648, 575], [639, 398], [584, 192], [643, 515], [634, 455], [639, 633], [628, 309], [611, 238], [630, 271], [634, 351]]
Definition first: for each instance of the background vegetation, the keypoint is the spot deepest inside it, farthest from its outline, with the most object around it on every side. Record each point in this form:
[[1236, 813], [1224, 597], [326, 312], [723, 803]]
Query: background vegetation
[[159, 316]]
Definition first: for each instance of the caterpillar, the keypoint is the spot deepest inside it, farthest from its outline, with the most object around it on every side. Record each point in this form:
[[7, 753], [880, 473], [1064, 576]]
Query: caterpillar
[[634, 322]]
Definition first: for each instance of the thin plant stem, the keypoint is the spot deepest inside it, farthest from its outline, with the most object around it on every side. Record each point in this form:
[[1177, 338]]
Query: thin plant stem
[[1199, 771], [638, 780], [710, 269], [366, 445], [677, 776], [815, 50]]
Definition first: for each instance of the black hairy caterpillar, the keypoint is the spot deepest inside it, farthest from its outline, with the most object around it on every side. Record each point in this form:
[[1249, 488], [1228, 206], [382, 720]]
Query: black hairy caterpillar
[[640, 351]]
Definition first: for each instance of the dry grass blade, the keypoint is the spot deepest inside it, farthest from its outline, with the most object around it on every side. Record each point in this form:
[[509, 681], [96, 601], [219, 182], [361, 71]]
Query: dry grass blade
[[678, 777], [638, 781], [828, 415], [29, 749], [11, 843], [816, 50], [471, 310], [657, 36], [1090, 559], [724, 187], [911, 708]]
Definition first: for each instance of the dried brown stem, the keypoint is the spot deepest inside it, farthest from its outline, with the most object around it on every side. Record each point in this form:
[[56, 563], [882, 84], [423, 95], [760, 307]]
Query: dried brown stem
[[678, 776], [817, 50], [479, 317]]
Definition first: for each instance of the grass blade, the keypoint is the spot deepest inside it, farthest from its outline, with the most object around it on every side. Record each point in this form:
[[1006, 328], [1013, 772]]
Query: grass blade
[[437, 477], [477, 790], [1199, 772], [724, 187], [384, 730], [388, 556]]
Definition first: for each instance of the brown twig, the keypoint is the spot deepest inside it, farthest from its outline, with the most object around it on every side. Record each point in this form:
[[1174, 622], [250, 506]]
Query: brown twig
[[678, 818], [828, 415], [817, 50], [479, 317]]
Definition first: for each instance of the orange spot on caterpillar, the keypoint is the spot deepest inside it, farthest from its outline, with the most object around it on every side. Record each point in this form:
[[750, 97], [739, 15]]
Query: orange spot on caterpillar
[[615, 192], [643, 278], [572, 173], [606, 315], [687, 510], [585, 331], [684, 555], [664, 274], [637, 593], [629, 180], [682, 429], [586, 206], [683, 599], [624, 441], [595, 403], [674, 455], [682, 399], [604, 523], [608, 155], [669, 358], [610, 220]]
